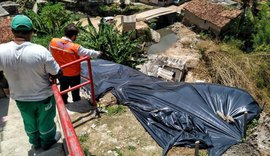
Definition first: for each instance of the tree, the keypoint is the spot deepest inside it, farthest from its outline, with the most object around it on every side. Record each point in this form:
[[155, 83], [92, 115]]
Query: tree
[[261, 35], [51, 19]]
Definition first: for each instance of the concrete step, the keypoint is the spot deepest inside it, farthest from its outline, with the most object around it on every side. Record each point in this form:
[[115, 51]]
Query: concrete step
[[14, 141]]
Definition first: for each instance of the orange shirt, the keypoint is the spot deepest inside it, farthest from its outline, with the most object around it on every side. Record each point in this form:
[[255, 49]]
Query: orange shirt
[[65, 51]]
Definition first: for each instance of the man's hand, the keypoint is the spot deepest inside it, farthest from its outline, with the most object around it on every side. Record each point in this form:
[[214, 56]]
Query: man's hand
[[100, 53], [52, 78]]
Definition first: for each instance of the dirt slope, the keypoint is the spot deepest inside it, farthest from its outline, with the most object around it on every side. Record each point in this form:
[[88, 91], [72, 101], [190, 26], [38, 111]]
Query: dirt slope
[[121, 134]]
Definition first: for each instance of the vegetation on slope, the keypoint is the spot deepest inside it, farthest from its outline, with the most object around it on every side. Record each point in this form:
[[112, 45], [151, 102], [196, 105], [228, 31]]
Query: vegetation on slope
[[119, 47], [242, 59]]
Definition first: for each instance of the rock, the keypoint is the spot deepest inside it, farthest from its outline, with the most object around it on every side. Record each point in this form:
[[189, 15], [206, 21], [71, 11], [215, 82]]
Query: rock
[[155, 35], [260, 134], [186, 42], [108, 99], [242, 149]]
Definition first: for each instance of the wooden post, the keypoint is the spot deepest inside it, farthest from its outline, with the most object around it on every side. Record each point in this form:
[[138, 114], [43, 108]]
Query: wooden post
[[245, 124], [197, 143]]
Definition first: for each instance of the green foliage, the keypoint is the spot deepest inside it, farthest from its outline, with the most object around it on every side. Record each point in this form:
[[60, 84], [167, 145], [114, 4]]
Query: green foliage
[[131, 148], [254, 123], [115, 109], [262, 48], [203, 153], [243, 27], [235, 43], [203, 35], [262, 76], [261, 35], [116, 46], [42, 40], [51, 19], [83, 138], [153, 23], [118, 152], [253, 29]]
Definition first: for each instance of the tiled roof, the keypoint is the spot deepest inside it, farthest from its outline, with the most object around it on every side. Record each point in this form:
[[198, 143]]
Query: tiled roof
[[3, 12], [215, 13], [5, 30]]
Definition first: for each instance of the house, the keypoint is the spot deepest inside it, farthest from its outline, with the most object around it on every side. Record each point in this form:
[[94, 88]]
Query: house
[[214, 17]]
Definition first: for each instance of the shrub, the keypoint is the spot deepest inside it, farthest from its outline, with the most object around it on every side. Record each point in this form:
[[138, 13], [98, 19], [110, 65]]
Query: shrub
[[42, 40], [116, 46]]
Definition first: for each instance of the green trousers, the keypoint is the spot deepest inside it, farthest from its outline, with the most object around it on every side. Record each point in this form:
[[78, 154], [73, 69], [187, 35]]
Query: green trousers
[[38, 119]]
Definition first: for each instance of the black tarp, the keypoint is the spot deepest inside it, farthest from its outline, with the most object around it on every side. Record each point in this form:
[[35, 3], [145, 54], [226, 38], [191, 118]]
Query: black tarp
[[177, 114]]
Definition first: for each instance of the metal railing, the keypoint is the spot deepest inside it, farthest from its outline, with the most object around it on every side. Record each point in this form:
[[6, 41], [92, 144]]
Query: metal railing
[[72, 141]]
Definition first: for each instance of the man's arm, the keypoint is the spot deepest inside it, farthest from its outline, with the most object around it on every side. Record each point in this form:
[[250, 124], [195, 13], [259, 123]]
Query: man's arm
[[58, 75], [88, 52], [51, 65]]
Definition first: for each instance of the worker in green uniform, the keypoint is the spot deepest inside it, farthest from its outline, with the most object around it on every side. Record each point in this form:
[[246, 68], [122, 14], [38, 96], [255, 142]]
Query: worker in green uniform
[[27, 67]]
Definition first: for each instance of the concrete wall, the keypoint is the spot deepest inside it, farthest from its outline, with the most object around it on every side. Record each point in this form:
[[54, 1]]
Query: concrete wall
[[153, 1], [157, 2], [10, 7], [128, 23]]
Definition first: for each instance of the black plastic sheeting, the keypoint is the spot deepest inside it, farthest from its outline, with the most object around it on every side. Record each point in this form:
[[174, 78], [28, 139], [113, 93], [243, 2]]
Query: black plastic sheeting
[[177, 114]]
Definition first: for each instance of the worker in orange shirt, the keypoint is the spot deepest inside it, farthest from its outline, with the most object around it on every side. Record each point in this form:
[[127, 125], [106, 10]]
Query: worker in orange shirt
[[64, 50]]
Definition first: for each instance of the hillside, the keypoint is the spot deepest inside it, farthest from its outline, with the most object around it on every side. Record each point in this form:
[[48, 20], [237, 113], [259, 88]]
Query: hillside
[[207, 61]]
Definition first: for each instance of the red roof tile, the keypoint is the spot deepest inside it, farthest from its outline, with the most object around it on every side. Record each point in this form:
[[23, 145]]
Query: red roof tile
[[5, 30], [215, 13]]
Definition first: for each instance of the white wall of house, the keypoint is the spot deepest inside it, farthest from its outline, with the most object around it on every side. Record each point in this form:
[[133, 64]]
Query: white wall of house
[[190, 18]]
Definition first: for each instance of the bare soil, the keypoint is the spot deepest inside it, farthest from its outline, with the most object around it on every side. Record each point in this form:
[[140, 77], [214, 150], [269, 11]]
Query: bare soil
[[117, 134]]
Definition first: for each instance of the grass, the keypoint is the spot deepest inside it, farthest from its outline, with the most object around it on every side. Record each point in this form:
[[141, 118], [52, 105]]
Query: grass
[[254, 123], [83, 138], [117, 152], [115, 109], [83, 141], [203, 153], [131, 148], [229, 65]]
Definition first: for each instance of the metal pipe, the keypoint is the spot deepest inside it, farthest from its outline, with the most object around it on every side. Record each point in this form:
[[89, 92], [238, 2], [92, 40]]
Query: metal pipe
[[76, 61], [84, 77], [74, 88], [72, 141], [93, 97]]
